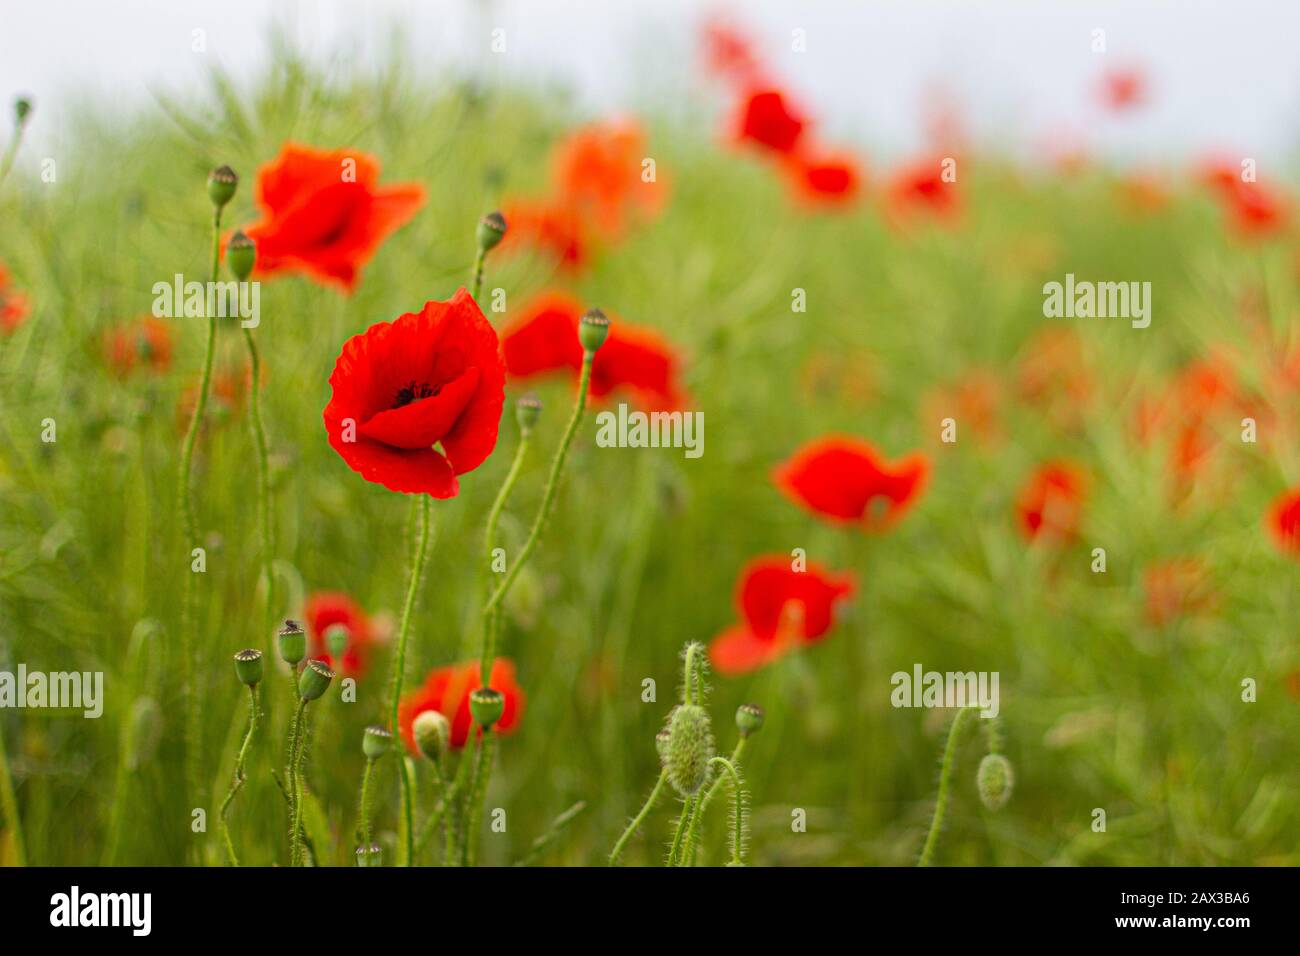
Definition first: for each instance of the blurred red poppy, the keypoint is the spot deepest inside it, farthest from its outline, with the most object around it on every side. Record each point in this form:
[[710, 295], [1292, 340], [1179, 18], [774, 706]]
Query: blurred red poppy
[[145, 343], [552, 227], [1050, 503], [1176, 588], [1283, 521], [768, 120], [544, 338], [13, 304], [325, 609], [324, 213], [447, 690], [434, 377], [1253, 208], [1123, 89], [729, 54], [846, 480], [920, 187], [230, 388], [598, 174], [781, 609], [825, 179], [1054, 375]]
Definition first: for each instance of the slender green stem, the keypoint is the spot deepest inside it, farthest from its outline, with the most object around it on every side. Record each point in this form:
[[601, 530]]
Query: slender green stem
[[431, 822], [365, 804], [713, 789], [239, 777], [478, 273], [945, 775], [422, 505], [478, 793], [295, 803], [693, 680], [456, 810], [9, 804], [637, 820], [737, 818], [263, 473], [491, 618], [682, 822], [11, 152]]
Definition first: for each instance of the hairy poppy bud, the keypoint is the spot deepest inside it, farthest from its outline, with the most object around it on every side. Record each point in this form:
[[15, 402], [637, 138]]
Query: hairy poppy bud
[[994, 780], [248, 665], [661, 745], [690, 748], [372, 855], [486, 706], [432, 734], [593, 330], [491, 230], [293, 643], [222, 183], [376, 741], [749, 719], [336, 641], [315, 680], [527, 410], [22, 109], [241, 254]]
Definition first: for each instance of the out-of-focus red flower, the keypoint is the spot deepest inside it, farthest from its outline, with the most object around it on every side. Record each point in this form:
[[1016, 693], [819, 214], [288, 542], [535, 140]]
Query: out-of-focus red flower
[[324, 213], [845, 480], [1143, 193], [433, 377], [1283, 521], [920, 187], [825, 179], [768, 120], [1203, 399], [1123, 89], [1050, 503], [544, 338], [145, 343], [447, 691], [973, 402], [230, 387], [323, 610], [1054, 375], [555, 228], [598, 174], [1253, 209], [13, 304], [781, 609], [729, 54], [1177, 588]]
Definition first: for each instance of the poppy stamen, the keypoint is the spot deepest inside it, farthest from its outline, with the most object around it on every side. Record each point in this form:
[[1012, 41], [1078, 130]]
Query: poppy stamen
[[414, 391]]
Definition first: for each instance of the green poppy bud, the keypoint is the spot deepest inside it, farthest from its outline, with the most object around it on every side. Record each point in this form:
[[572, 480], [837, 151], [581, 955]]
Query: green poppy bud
[[314, 680], [376, 741], [486, 706], [293, 643], [22, 109], [241, 255], [690, 748], [491, 230], [593, 330], [336, 641], [661, 745], [995, 780], [432, 734], [749, 719], [222, 183], [248, 665], [372, 855], [527, 410]]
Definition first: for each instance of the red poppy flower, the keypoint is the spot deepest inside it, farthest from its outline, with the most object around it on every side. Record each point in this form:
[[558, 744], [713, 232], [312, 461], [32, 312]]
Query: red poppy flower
[[552, 227], [768, 120], [1123, 89], [1176, 588], [433, 377], [1283, 521], [13, 304], [597, 173], [920, 187], [1054, 374], [780, 609], [230, 388], [544, 338], [729, 54], [324, 213], [847, 481], [325, 609], [1051, 501], [146, 342], [825, 178], [447, 691]]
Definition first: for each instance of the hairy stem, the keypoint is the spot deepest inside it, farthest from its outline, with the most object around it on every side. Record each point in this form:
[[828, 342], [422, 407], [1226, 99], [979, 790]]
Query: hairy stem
[[478, 794], [365, 804], [263, 474], [490, 618], [239, 777], [431, 822], [637, 820], [941, 802], [713, 789], [683, 821], [478, 273], [295, 801]]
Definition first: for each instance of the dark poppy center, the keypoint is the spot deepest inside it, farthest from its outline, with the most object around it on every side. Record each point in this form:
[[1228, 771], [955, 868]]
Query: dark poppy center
[[414, 391]]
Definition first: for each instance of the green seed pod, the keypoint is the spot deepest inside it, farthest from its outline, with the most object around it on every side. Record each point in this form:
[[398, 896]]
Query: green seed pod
[[593, 330], [314, 680], [527, 410], [293, 643], [995, 780], [749, 719], [432, 734], [376, 741], [486, 706], [248, 665], [241, 255], [336, 641], [491, 230], [690, 748], [222, 183], [22, 110], [372, 855]]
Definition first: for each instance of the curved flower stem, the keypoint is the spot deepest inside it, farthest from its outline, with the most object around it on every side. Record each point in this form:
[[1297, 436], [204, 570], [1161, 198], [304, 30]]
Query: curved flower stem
[[737, 819], [713, 789], [295, 796], [422, 505], [11, 152], [486, 751], [455, 810], [190, 526], [365, 803], [682, 822], [637, 820], [693, 689], [239, 776], [9, 806], [263, 473], [941, 802], [478, 273], [490, 618]]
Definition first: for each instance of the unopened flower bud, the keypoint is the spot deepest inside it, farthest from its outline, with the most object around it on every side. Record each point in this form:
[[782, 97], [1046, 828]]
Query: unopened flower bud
[[372, 855], [248, 665], [432, 734], [661, 745], [22, 109], [336, 641], [241, 254], [593, 329], [690, 748], [293, 643], [486, 706], [527, 410], [491, 230], [222, 183], [749, 719], [314, 680], [995, 780], [376, 741]]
